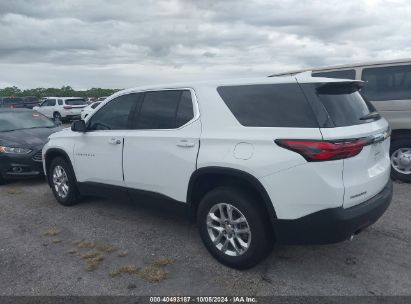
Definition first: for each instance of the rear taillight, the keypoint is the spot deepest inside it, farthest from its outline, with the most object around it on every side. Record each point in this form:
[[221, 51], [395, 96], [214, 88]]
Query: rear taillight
[[67, 107], [319, 150]]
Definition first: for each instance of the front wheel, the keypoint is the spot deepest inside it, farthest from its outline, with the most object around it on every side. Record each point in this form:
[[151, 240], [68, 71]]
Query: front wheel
[[234, 228], [63, 182], [400, 152]]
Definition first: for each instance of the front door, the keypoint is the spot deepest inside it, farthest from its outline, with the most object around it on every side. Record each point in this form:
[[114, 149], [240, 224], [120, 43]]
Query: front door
[[98, 152]]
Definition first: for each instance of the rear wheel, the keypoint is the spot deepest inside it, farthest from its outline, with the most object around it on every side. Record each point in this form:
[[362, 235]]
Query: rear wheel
[[63, 182], [400, 152], [233, 227]]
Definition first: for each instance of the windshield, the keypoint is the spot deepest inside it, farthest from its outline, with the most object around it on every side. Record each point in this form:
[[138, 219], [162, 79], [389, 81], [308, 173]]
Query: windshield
[[10, 121], [76, 102]]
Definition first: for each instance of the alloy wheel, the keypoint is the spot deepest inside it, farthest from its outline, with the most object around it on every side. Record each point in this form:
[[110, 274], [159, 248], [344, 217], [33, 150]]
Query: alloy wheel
[[228, 229], [401, 160], [60, 181]]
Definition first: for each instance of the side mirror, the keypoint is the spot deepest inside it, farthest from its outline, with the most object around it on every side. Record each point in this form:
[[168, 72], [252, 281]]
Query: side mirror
[[78, 126]]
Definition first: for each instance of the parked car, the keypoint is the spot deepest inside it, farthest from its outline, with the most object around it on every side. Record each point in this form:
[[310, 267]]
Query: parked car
[[297, 160], [23, 134], [62, 108], [18, 102], [89, 109], [388, 87], [102, 98]]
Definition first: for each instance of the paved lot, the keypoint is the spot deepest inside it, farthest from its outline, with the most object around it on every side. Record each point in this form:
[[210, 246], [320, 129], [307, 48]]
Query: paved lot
[[376, 262]]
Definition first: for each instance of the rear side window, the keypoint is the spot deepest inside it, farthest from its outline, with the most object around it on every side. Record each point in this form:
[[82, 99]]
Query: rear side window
[[168, 109], [387, 83], [340, 74], [343, 102], [269, 105]]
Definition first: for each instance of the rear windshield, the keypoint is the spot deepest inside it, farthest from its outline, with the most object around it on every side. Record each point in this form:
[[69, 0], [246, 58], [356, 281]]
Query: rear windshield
[[269, 105], [344, 104], [341, 74], [75, 102]]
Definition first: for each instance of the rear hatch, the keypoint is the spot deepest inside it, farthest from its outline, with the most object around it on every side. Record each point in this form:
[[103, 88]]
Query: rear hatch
[[75, 105], [347, 120]]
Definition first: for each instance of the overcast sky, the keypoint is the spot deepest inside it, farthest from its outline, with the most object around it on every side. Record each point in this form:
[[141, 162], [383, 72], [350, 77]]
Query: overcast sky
[[120, 44]]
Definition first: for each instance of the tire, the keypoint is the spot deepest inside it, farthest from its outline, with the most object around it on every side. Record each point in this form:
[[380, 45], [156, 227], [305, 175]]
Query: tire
[[260, 239], [400, 146], [2, 180], [60, 173], [57, 116]]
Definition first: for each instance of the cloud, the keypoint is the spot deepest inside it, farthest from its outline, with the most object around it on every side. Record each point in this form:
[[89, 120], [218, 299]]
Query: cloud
[[128, 43]]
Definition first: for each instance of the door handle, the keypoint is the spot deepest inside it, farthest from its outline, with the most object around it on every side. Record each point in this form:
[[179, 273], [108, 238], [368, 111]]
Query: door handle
[[185, 143], [114, 141]]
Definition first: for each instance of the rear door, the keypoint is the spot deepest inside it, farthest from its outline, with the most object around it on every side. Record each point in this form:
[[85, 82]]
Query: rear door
[[160, 154], [365, 174]]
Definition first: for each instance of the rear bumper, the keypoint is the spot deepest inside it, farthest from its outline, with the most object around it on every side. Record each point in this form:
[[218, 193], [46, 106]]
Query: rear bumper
[[335, 224]]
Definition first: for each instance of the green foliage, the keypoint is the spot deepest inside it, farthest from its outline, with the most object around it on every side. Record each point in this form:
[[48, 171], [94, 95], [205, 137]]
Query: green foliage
[[63, 91]]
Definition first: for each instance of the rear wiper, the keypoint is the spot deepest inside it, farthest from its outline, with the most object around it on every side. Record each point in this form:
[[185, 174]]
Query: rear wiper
[[372, 115]]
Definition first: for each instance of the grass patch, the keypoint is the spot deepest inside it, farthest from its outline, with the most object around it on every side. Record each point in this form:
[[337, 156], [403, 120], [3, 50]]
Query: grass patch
[[93, 263], [52, 232], [13, 191], [162, 262], [107, 248], [154, 274], [89, 255], [86, 244], [122, 254], [130, 269]]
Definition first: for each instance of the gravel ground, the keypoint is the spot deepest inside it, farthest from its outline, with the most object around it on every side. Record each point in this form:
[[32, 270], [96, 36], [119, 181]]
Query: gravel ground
[[40, 253]]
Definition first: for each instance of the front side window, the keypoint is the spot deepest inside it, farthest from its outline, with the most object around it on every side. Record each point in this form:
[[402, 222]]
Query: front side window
[[387, 83], [49, 103], [168, 109], [340, 74], [115, 114], [269, 105]]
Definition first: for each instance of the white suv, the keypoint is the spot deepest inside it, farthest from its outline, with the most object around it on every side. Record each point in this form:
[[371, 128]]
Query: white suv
[[296, 160], [62, 108]]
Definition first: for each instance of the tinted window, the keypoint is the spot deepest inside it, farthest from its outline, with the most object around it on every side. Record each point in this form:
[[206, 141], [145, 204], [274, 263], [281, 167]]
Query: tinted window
[[49, 103], [341, 74], [75, 102], [23, 120], [12, 100], [387, 83], [115, 114], [158, 110], [269, 105], [343, 102], [185, 109], [60, 102]]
